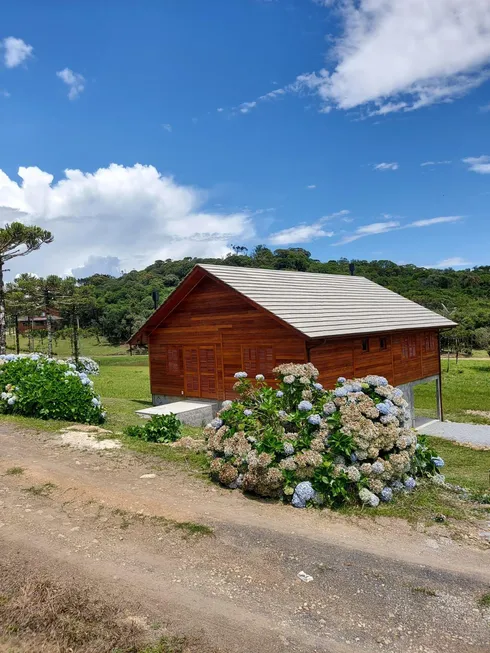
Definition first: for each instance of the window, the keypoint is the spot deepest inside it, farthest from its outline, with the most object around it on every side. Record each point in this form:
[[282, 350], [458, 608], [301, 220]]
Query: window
[[365, 344], [409, 347], [383, 343], [430, 341], [258, 360], [171, 356]]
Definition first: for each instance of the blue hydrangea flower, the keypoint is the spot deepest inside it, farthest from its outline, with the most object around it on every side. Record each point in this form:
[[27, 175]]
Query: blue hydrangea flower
[[282, 414], [226, 404], [318, 386], [303, 492], [305, 405], [95, 402], [259, 377], [340, 392], [383, 408], [341, 379], [386, 494], [410, 483], [279, 394], [216, 423], [315, 420], [356, 386], [377, 468], [375, 380], [330, 408], [240, 375], [353, 458], [288, 449], [248, 412], [11, 401], [438, 461], [34, 357], [369, 498], [397, 486]]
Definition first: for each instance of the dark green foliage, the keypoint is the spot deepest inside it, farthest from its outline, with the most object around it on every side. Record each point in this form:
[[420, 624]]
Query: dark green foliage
[[422, 462], [121, 305], [160, 428], [47, 389]]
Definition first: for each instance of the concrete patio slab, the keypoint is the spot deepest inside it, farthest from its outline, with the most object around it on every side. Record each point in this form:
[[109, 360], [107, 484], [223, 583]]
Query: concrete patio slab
[[192, 413], [477, 434]]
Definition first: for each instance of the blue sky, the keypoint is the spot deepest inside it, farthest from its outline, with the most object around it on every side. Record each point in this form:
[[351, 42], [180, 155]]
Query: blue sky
[[289, 122]]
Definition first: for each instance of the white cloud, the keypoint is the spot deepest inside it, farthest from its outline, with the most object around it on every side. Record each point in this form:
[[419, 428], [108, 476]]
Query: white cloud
[[485, 108], [394, 225], [220, 109], [98, 265], [16, 51], [401, 55], [74, 81], [431, 221], [132, 213], [369, 230], [167, 127], [435, 163], [408, 53], [311, 187], [386, 166], [301, 233], [4, 93], [480, 164], [452, 262], [246, 107]]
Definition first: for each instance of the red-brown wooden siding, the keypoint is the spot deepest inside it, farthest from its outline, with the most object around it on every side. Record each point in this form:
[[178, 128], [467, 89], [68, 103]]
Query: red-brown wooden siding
[[214, 315], [345, 357], [214, 332]]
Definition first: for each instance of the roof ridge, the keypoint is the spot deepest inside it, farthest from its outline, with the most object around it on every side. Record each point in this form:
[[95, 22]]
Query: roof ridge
[[206, 266]]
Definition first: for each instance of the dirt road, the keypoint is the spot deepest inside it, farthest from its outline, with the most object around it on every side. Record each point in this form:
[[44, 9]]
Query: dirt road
[[378, 585]]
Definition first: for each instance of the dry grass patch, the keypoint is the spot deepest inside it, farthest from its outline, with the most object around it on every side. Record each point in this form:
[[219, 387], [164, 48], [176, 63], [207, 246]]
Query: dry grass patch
[[39, 614], [14, 471]]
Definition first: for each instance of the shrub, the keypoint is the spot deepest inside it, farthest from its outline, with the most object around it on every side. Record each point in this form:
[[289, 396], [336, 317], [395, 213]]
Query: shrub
[[160, 428], [85, 364], [305, 444], [37, 386]]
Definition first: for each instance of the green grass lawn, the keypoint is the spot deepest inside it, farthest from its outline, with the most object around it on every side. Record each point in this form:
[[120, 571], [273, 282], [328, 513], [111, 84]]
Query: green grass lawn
[[465, 387], [62, 347], [124, 386]]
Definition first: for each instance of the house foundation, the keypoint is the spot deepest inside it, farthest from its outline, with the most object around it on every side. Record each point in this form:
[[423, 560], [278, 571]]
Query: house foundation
[[408, 393]]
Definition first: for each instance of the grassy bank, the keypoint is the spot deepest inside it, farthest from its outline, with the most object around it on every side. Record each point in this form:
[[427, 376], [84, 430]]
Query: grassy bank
[[466, 387], [89, 346]]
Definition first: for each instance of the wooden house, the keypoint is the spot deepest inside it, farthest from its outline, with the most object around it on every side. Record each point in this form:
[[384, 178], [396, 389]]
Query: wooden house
[[223, 319], [39, 322]]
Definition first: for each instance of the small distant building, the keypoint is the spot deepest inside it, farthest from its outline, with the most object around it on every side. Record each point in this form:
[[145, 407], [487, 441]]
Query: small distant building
[[39, 322], [223, 319]]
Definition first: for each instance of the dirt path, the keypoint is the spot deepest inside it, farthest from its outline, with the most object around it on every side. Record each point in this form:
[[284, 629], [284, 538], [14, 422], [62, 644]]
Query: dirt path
[[377, 585]]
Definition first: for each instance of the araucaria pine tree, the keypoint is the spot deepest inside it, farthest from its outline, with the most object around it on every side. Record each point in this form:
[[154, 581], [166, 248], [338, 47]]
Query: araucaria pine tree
[[16, 240]]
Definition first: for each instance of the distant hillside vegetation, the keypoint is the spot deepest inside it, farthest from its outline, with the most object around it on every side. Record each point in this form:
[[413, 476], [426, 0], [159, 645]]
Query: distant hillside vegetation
[[124, 303]]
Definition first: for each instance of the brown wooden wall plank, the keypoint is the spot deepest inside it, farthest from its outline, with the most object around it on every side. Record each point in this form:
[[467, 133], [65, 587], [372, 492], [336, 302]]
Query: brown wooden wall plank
[[213, 315]]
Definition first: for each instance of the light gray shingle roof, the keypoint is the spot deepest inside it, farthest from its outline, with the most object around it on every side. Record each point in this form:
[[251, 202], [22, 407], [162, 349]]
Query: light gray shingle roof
[[324, 305]]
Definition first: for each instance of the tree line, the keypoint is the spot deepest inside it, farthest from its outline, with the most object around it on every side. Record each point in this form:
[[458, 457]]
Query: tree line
[[115, 307]]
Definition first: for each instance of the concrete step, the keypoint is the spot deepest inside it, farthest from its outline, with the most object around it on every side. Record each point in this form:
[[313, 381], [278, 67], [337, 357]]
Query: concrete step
[[192, 413]]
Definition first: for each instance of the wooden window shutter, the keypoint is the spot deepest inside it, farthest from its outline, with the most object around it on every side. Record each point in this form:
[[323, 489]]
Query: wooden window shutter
[[258, 360], [173, 360]]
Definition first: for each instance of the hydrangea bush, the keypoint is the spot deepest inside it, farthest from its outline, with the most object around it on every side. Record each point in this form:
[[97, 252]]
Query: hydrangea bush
[[85, 364], [37, 386], [306, 444]]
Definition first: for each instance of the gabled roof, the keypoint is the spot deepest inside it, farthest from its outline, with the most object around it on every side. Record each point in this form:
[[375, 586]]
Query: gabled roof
[[317, 305]]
